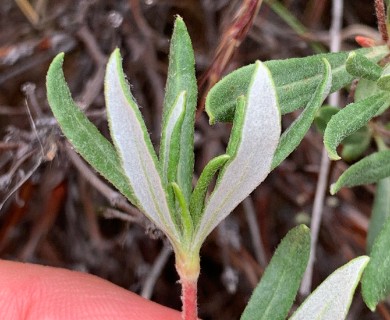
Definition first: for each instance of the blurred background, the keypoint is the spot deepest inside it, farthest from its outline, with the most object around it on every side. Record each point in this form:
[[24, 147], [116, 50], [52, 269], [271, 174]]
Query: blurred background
[[57, 211]]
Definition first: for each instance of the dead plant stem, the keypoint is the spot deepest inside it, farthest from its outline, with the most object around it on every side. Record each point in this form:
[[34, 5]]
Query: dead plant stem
[[337, 14]]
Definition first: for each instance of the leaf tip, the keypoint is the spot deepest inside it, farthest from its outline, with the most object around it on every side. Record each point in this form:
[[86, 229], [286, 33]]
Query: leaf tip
[[304, 228], [332, 154], [371, 306], [351, 56], [334, 189], [211, 118], [59, 57], [179, 24], [55, 64]]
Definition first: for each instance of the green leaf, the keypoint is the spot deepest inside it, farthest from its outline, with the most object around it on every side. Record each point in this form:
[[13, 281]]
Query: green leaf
[[171, 146], [380, 211], [275, 293], [367, 88], [199, 194], [332, 299], [185, 217], [350, 119], [384, 80], [171, 139], [181, 77], [323, 116], [294, 134], [295, 79], [255, 135], [376, 278], [361, 67], [132, 141], [368, 170], [356, 144], [84, 136]]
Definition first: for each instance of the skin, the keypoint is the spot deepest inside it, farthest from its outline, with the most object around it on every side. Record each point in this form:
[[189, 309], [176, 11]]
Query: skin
[[30, 291]]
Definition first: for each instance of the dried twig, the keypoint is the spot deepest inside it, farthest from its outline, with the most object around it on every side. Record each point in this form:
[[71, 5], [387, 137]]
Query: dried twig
[[337, 13], [159, 263], [380, 12], [254, 231], [232, 37]]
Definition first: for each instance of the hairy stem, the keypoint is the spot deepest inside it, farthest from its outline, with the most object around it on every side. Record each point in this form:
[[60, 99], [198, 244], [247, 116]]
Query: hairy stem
[[380, 12], [188, 267], [189, 299]]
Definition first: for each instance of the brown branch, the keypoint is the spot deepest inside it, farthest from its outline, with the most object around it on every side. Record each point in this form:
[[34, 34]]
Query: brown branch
[[232, 37], [380, 12]]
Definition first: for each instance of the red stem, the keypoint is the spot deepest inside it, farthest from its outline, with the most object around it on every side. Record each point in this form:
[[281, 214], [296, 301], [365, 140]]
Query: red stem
[[189, 299]]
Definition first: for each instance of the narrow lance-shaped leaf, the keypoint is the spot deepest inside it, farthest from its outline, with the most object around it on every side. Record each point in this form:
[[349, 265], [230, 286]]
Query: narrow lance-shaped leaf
[[275, 293], [130, 136], [294, 134], [368, 170], [295, 80], [380, 211], [356, 144], [172, 138], [384, 80], [332, 299], [361, 67], [324, 114], [181, 77], [350, 119], [187, 226], [82, 133], [171, 148], [255, 135], [367, 88], [198, 196], [376, 278]]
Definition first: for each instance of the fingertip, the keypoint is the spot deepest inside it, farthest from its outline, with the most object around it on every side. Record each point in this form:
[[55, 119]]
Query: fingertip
[[30, 291]]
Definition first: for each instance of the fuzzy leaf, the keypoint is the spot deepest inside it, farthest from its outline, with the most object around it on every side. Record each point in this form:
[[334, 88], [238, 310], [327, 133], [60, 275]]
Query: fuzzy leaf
[[172, 138], [84, 136], [132, 141], [255, 135], [171, 147], [356, 144], [323, 116], [275, 293], [295, 80], [181, 77], [332, 299], [376, 278], [199, 194], [367, 88], [380, 211], [185, 217], [368, 170], [384, 80], [361, 67], [294, 134], [350, 119]]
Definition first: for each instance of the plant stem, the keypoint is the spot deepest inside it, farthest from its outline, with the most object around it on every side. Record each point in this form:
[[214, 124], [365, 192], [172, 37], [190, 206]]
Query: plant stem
[[381, 17], [188, 267], [189, 298], [337, 14]]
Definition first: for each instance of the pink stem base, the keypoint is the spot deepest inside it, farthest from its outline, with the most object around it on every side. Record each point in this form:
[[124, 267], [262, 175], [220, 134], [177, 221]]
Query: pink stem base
[[189, 299]]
